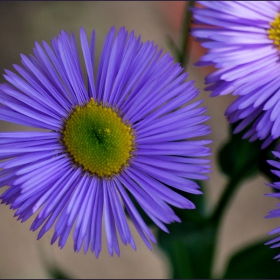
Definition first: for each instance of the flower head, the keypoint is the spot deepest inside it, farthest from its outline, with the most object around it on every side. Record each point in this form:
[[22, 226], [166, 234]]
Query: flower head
[[275, 213], [129, 133], [242, 39]]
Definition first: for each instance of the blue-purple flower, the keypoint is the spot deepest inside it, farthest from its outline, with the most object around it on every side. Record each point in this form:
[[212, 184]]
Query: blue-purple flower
[[243, 42], [127, 132], [275, 213]]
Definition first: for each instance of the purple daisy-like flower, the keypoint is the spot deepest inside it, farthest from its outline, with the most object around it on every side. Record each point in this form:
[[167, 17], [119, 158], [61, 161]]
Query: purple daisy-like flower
[[243, 42], [275, 213], [127, 134]]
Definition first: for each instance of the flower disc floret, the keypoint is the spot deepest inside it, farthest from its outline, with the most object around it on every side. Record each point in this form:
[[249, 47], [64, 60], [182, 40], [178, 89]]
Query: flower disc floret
[[274, 31], [98, 140]]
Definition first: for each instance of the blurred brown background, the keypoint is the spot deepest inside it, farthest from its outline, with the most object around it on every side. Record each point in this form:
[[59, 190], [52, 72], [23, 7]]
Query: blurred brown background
[[21, 255]]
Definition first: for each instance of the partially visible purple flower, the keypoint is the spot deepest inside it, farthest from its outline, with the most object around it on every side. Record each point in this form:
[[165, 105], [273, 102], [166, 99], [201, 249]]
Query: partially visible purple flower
[[243, 39], [129, 131], [275, 213]]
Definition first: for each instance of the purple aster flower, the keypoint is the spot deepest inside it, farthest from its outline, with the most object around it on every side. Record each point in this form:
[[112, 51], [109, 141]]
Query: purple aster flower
[[129, 133], [243, 42], [275, 213]]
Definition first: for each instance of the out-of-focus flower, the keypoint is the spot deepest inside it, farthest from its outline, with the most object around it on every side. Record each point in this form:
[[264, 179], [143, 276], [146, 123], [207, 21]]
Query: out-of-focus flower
[[127, 133], [275, 213], [243, 38]]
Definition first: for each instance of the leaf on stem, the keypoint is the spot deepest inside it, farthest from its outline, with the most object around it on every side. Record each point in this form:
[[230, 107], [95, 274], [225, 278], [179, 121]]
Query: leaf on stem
[[255, 262]]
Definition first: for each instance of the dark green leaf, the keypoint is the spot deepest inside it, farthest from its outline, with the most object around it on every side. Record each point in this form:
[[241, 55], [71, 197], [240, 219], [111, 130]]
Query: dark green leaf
[[190, 248], [255, 261], [190, 244], [57, 273], [239, 157], [190, 251], [52, 269]]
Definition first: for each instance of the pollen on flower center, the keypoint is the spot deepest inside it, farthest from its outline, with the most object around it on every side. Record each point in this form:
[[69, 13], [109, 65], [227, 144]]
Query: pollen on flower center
[[274, 31], [98, 140]]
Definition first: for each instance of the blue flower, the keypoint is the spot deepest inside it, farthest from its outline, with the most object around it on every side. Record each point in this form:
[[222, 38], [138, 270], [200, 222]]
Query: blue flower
[[127, 133], [243, 42], [275, 213]]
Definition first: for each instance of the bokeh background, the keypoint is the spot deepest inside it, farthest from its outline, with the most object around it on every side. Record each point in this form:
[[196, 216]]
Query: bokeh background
[[21, 255]]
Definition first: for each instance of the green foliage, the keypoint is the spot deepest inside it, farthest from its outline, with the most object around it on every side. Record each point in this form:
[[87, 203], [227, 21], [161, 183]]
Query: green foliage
[[56, 272], [190, 248], [243, 159], [190, 244], [239, 157], [255, 262]]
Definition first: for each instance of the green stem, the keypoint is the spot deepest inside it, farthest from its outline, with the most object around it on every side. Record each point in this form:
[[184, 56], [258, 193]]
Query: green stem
[[219, 211], [224, 200], [185, 34]]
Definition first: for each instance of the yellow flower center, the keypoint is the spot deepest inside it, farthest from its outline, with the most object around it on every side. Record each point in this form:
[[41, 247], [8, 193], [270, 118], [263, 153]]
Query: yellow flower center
[[274, 31], [98, 140]]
